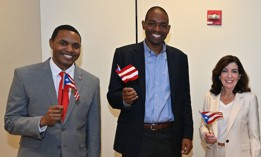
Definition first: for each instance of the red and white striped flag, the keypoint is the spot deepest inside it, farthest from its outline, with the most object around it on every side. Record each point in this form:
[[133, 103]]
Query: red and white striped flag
[[69, 83], [210, 117], [128, 73]]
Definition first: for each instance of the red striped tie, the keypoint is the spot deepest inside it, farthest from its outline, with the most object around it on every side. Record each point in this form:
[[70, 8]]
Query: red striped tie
[[63, 96]]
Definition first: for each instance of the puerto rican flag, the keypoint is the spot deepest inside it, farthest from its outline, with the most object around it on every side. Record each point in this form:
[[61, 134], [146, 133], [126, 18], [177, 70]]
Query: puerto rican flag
[[128, 73], [69, 83], [210, 117]]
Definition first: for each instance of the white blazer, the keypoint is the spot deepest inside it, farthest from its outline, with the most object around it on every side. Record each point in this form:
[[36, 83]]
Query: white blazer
[[243, 131]]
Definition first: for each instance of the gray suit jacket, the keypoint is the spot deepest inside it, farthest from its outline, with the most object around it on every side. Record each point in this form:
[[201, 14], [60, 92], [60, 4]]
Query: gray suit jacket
[[32, 92]]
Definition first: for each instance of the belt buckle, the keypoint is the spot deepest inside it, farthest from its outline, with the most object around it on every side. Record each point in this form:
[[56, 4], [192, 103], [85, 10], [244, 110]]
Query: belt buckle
[[152, 127], [221, 144]]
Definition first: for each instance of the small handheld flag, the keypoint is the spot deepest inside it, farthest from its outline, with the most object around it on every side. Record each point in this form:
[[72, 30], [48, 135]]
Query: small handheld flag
[[69, 83], [210, 117], [128, 73]]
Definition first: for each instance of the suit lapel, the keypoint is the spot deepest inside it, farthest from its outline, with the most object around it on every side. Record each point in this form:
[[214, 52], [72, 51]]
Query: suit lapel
[[235, 109], [215, 108], [48, 85], [139, 63], [72, 102], [173, 72]]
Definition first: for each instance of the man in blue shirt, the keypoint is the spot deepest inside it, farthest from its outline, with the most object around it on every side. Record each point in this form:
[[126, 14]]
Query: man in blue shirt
[[156, 116]]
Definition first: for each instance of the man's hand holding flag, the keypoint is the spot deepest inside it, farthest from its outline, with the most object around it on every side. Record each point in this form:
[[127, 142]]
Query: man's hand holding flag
[[127, 74]]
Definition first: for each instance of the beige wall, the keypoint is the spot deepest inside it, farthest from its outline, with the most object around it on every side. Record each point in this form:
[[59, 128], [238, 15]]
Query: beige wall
[[20, 44]]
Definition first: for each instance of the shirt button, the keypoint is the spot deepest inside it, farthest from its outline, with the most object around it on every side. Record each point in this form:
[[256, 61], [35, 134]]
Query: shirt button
[[227, 141]]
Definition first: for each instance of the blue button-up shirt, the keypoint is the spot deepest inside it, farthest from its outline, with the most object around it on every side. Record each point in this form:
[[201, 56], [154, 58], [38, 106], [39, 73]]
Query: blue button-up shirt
[[158, 100]]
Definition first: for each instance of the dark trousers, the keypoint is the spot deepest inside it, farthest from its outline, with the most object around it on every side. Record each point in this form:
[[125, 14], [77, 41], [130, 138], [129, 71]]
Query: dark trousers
[[158, 143]]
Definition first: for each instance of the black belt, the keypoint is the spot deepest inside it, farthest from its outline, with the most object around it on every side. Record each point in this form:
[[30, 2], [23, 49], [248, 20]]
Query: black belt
[[158, 126]]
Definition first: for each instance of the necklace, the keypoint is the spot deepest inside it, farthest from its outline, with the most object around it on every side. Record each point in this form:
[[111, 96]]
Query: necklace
[[227, 99]]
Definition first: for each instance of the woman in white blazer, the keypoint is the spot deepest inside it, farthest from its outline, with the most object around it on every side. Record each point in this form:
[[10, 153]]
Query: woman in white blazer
[[237, 133]]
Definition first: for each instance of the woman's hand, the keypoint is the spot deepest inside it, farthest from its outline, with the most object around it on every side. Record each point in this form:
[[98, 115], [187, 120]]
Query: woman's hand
[[210, 138]]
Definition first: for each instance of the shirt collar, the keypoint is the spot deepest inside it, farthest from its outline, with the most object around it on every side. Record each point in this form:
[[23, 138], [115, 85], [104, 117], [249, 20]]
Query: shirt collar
[[149, 52], [56, 70]]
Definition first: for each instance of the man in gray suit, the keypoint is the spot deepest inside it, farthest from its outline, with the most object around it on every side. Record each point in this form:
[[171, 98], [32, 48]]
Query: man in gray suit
[[34, 113]]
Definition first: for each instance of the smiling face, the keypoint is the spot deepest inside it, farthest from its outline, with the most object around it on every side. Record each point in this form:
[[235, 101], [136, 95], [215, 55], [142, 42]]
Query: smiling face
[[156, 27], [66, 48], [229, 76]]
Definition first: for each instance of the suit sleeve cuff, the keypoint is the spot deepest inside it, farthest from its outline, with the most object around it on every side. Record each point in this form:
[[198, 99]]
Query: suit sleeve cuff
[[126, 106]]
